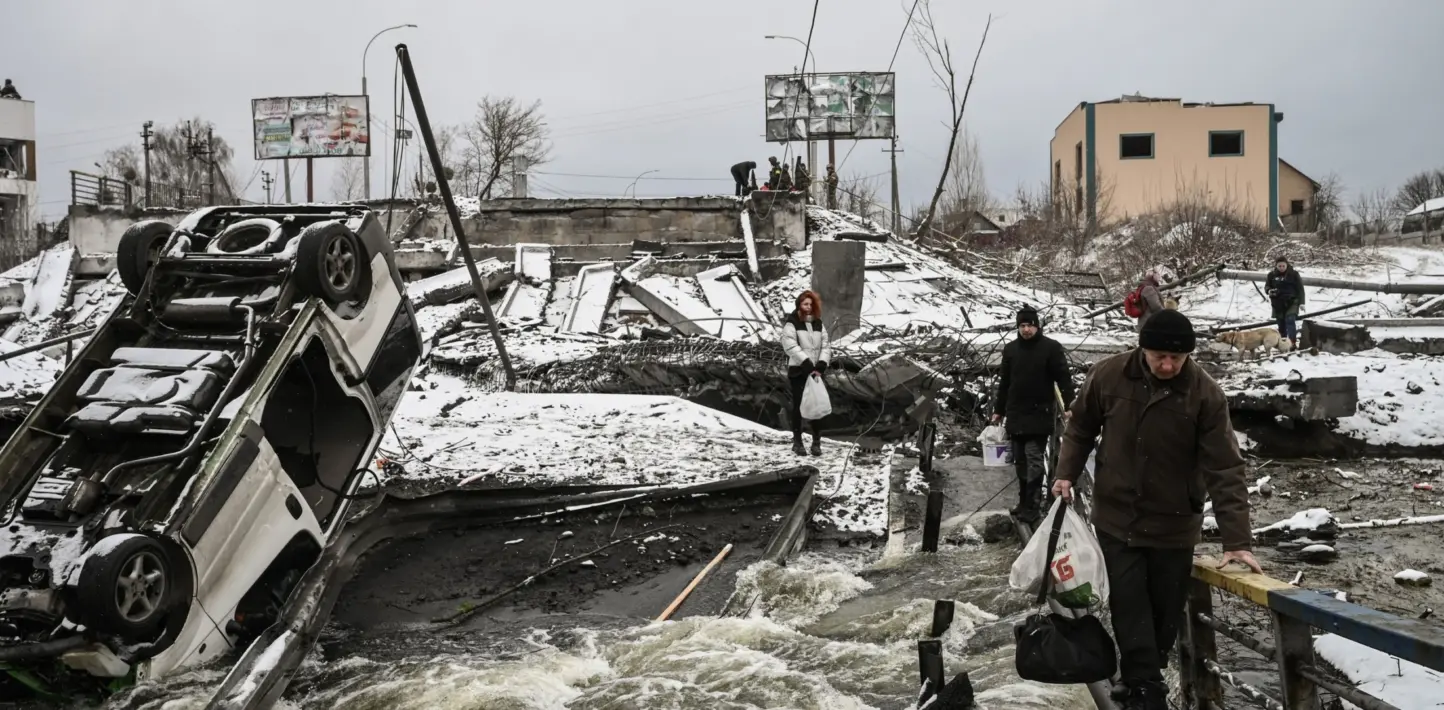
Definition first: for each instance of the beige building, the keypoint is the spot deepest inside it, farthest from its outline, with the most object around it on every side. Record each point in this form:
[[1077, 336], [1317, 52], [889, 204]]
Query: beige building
[[1135, 155]]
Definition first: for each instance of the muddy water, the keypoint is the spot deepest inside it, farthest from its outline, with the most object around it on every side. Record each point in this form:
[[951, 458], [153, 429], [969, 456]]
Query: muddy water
[[833, 630]]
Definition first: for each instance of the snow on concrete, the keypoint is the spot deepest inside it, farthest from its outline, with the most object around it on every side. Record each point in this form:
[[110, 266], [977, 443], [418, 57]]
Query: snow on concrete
[[550, 439], [1412, 576], [727, 294], [1430, 205], [590, 295], [1393, 680], [1388, 413], [50, 289], [533, 263], [25, 377], [671, 299]]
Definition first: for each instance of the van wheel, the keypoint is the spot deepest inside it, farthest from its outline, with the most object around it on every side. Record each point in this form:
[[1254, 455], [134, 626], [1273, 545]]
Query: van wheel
[[128, 588], [332, 263], [140, 247]]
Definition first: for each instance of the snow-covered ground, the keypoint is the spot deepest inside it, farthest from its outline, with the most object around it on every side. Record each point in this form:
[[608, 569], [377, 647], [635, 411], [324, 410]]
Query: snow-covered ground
[[450, 433]]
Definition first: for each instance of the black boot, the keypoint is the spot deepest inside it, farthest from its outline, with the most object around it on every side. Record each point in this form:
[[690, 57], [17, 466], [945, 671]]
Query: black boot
[[816, 444], [1147, 695], [797, 444], [1030, 511]]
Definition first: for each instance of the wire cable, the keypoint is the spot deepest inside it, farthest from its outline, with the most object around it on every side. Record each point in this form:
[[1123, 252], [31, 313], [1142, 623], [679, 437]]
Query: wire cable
[[902, 35]]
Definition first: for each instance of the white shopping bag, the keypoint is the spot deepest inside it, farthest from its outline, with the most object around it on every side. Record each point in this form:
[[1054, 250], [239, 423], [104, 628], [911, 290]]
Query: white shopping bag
[[1079, 577], [993, 434], [815, 402]]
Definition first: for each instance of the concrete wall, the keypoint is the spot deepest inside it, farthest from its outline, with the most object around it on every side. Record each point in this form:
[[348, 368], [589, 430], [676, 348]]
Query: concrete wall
[[605, 221], [97, 230], [1181, 165], [779, 217]]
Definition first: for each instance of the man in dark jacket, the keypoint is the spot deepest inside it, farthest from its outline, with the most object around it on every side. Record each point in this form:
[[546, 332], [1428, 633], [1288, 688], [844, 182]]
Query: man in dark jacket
[[1285, 289], [1167, 440], [8, 91], [831, 187], [1032, 364], [740, 174]]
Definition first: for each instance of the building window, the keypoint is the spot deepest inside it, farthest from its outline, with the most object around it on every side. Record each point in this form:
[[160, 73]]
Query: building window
[[1078, 162], [1296, 207], [1225, 144], [1134, 146]]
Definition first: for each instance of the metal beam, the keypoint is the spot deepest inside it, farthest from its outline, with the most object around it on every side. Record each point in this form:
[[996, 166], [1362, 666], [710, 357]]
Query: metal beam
[[1433, 288]]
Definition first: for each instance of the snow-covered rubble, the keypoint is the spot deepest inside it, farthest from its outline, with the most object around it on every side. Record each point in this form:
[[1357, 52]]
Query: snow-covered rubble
[[1399, 395], [1395, 681], [449, 432]]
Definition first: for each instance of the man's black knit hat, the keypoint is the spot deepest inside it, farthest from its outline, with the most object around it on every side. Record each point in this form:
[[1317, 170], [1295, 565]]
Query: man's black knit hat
[[1026, 314], [1167, 331]]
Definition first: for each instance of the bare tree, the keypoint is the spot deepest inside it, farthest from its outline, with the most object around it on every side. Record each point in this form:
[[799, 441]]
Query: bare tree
[[1327, 209], [346, 184], [1418, 189], [858, 194], [180, 163], [1374, 210], [423, 181], [503, 132], [939, 56], [966, 189]]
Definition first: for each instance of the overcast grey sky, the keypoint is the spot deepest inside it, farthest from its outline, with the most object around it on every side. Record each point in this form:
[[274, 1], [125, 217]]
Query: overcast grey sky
[[1357, 81]]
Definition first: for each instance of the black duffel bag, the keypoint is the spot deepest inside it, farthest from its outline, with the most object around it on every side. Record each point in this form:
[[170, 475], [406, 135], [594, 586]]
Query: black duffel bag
[[1052, 648]]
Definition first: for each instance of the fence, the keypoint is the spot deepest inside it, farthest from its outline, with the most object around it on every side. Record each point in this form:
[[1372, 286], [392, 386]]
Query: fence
[[88, 189], [1292, 615]]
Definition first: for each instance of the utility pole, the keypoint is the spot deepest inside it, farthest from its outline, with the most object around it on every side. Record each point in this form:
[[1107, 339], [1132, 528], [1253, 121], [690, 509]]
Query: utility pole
[[145, 136], [518, 176], [896, 203], [211, 166], [286, 173], [310, 180], [266, 182]]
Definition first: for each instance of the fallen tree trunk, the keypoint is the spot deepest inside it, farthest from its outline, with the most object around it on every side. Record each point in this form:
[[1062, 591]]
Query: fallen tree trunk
[[1205, 271], [1428, 288], [1302, 316]]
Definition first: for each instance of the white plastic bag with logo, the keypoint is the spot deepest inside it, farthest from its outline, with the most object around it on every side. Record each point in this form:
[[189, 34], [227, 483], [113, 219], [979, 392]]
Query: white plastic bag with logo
[[815, 402], [993, 434], [1080, 579]]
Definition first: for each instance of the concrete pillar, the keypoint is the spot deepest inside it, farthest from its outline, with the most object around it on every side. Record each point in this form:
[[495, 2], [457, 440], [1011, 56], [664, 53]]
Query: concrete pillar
[[838, 277]]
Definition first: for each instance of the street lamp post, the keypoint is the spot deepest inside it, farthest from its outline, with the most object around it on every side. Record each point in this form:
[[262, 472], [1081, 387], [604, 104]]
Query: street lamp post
[[366, 161], [633, 186], [811, 144]]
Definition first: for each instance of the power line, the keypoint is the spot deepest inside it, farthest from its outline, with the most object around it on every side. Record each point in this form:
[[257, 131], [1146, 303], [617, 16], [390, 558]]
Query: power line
[[902, 34], [646, 106], [628, 177]]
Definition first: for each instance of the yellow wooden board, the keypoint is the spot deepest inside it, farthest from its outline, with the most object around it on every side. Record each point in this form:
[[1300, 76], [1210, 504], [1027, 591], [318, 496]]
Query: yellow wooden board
[[1237, 580]]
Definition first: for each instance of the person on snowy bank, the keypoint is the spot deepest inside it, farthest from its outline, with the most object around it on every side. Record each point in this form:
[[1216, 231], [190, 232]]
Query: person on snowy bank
[[1167, 440], [1032, 364], [1285, 289], [804, 339], [1152, 299]]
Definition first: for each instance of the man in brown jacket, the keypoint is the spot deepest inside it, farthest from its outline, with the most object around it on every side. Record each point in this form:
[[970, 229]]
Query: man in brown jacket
[[1167, 440]]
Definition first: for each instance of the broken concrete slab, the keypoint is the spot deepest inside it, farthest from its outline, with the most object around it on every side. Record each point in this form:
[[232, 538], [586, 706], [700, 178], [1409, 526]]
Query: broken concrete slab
[[1334, 337], [681, 310], [533, 263], [454, 285], [727, 295], [526, 299], [838, 277], [49, 291], [1314, 399], [591, 294], [754, 271], [891, 377]]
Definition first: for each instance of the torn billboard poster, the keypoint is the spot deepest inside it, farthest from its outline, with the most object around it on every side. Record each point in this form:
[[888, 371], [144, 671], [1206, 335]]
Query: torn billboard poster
[[311, 127], [854, 105]]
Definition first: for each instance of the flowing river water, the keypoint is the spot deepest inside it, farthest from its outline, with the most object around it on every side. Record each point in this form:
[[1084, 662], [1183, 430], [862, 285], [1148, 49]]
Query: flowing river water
[[834, 630]]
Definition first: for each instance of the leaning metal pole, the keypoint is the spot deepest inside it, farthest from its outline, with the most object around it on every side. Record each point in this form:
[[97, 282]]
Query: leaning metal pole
[[424, 125]]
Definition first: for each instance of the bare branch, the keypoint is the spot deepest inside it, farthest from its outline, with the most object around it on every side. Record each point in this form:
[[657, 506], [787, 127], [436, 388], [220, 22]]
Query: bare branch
[[940, 60]]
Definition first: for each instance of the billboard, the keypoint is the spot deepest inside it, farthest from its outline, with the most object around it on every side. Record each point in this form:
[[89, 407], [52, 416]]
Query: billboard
[[854, 105], [311, 127]]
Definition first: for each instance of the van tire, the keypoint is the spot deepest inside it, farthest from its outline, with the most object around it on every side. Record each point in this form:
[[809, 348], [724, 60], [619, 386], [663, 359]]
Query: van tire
[[139, 246], [332, 264]]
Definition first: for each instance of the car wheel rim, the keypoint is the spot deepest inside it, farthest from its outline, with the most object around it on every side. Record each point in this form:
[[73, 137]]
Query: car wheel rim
[[140, 588], [339, 264]]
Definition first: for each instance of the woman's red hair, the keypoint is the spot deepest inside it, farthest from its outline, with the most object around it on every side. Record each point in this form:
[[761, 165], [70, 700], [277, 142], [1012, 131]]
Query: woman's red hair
[[816, 302]]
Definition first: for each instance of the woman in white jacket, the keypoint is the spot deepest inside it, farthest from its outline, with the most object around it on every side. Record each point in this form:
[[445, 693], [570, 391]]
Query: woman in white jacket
[[805, 341]]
